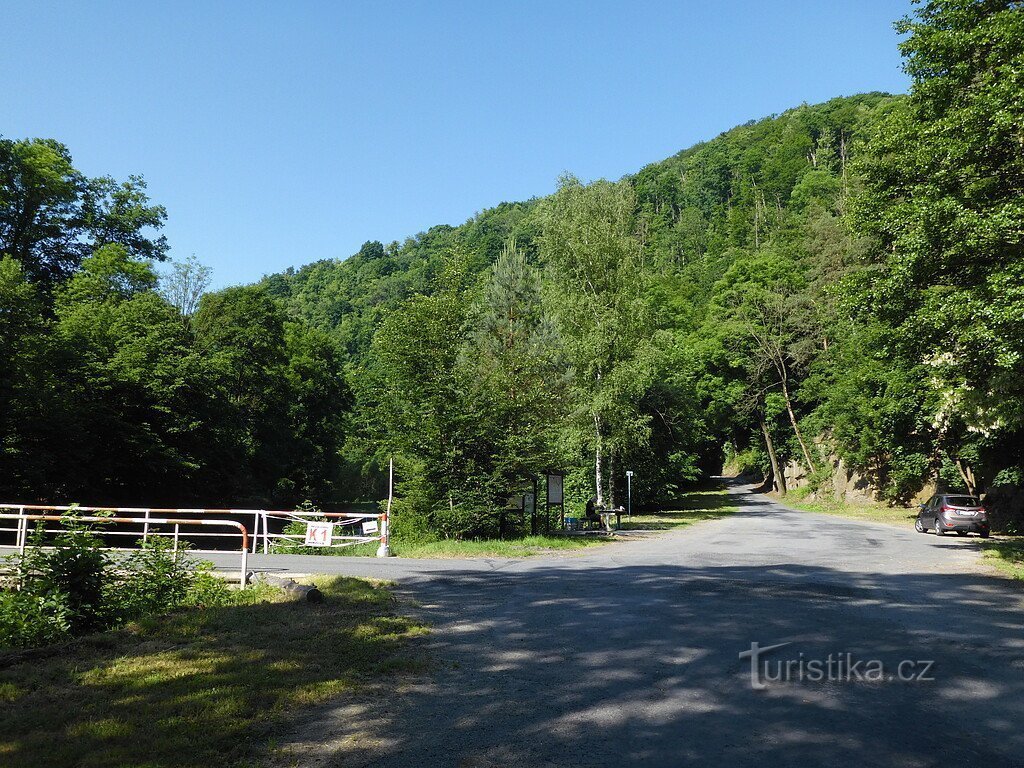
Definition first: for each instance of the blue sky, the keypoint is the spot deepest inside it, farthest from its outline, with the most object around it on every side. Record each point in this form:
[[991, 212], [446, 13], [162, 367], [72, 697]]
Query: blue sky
[[280, 133]]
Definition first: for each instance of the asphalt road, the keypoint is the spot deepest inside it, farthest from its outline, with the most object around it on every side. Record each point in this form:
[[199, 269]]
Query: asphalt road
[[629, 655]]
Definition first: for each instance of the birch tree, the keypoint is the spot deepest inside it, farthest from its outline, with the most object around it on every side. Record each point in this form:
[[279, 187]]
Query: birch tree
[[597, 294]]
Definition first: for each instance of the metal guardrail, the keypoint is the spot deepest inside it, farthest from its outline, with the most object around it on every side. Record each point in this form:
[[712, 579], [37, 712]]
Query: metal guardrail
[[252, 517], [346, 529], [363, 528], [23, 518]]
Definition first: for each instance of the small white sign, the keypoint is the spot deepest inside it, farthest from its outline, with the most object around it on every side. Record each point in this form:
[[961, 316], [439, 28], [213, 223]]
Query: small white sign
[[319, 534], [370, 526]]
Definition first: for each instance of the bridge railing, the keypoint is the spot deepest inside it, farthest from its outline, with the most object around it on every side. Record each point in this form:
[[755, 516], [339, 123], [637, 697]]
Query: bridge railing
[[206, 530], [27, 521], [321, 529]]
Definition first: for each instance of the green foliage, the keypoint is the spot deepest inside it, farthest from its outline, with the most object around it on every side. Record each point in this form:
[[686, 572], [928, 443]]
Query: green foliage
[[514, 358], [73, 587], [942, 180], [1009, 476], [52, 216], [598, 296], [421, 402], [298, 528], [186, 406], [29, 620], [71, 574], [750, 462], [149, 580]]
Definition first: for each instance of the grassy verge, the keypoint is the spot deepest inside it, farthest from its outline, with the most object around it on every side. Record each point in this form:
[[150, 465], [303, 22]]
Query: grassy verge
[[525, 547], [451, 548], [1006, 553], [694, 507], [872, 512], [200, 687]]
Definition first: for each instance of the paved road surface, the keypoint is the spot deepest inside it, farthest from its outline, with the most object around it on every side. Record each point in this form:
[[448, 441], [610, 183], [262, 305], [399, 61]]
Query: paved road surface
[[629, 654]]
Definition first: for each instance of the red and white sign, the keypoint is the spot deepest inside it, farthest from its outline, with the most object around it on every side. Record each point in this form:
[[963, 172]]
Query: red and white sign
[[319, 534]]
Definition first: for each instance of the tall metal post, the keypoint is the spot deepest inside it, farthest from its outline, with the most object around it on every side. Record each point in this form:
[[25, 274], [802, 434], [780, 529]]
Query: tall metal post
[[384, 550], [629, 495]]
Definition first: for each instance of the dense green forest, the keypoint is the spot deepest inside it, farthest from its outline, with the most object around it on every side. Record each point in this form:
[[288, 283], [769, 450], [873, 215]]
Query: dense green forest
[[843, 281]]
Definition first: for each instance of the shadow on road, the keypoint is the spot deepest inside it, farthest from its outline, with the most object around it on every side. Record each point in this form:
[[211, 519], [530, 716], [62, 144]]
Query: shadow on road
[[639, 665]]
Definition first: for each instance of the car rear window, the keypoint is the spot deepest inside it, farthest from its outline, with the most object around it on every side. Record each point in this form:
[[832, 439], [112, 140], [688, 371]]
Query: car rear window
[[962, 501]]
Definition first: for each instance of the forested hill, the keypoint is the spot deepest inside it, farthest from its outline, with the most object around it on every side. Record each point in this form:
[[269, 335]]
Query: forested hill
[[726, 193], [662, 245]]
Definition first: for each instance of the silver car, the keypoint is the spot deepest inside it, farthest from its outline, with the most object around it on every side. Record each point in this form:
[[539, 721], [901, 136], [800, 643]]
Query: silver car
[[953, 512]]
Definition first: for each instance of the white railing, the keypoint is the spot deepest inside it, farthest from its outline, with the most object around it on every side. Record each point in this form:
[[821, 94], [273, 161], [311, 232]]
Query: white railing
[[36, 514], [343, 529], [252, 518]]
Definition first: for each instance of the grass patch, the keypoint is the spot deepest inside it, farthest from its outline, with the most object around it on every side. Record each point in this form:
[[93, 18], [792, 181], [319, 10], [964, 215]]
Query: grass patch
[[199, 687], [1007, 554], [872, 513], [454, 548], [525, 547], [708, 504]]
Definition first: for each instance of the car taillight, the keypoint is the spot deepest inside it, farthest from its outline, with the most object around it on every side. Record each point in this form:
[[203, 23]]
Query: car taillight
[[946, 508]]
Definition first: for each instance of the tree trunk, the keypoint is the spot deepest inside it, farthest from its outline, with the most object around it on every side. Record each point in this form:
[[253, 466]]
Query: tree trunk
[[598, 482], [611, 479], [967, 474], [796, 429], [778, 478]]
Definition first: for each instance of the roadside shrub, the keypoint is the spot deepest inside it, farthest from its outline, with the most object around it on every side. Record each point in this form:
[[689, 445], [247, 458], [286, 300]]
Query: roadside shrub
[[1009, 476], [1004, 500], [577, 489], [905, 477], [147, 581], [749, 464], [297, 547], [466, 514], [70, 575], [207, 591], [821, 480], [407, 525], [73, 587], [28, 620], [801, 493]]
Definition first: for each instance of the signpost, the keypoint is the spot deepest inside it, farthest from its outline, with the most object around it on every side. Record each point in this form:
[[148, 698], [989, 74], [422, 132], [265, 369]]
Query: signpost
[[553, 498]]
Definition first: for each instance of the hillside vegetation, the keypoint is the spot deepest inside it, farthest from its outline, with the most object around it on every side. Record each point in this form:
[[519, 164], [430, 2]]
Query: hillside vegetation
[[843, 280]]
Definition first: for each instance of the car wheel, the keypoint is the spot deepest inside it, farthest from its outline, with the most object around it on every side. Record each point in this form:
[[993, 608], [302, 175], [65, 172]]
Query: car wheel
[[939, 531], [984, 535], [918, 525], [961, 533]]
